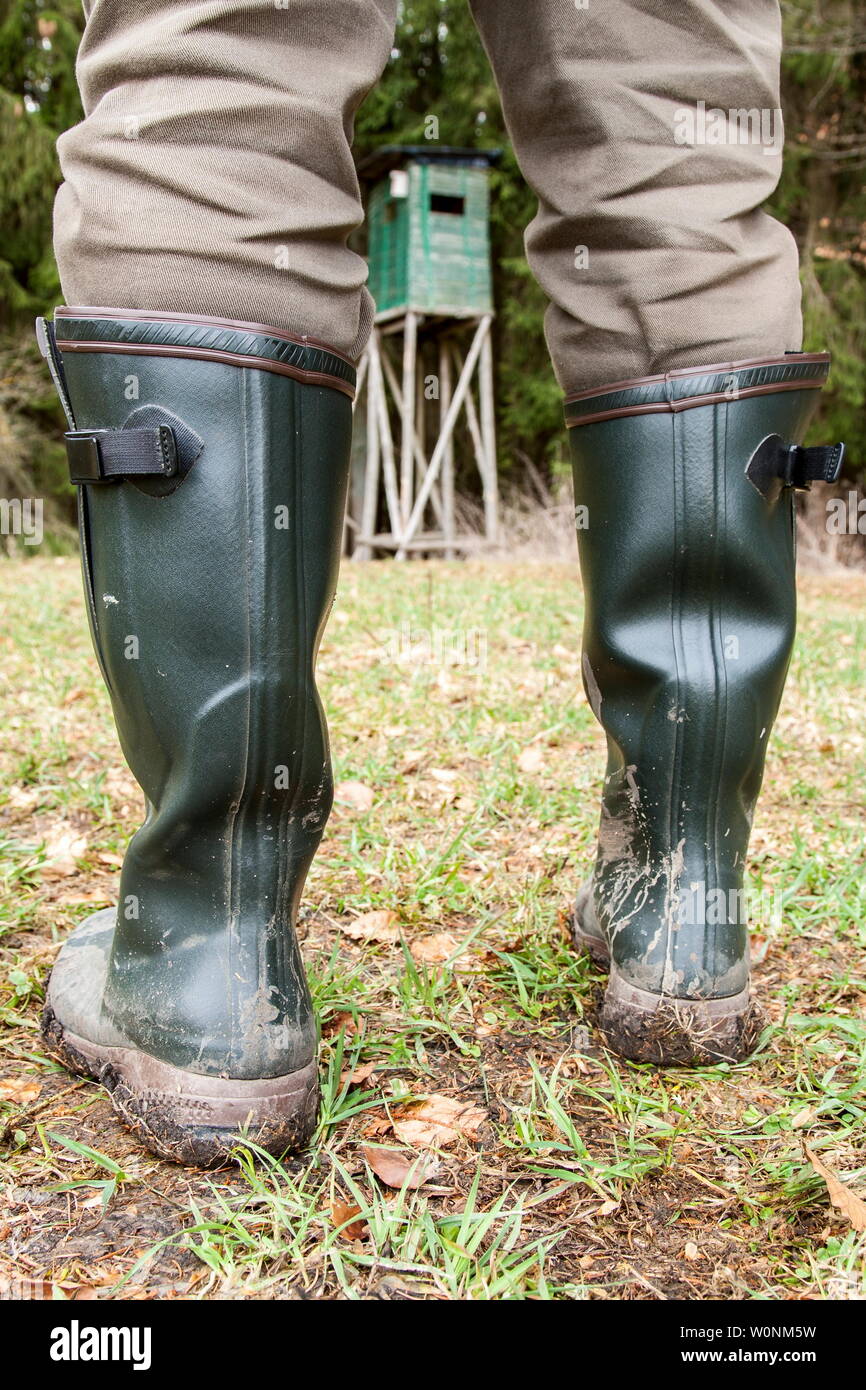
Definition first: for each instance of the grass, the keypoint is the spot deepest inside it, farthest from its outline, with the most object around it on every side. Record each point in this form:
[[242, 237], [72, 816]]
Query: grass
[[454, 696]]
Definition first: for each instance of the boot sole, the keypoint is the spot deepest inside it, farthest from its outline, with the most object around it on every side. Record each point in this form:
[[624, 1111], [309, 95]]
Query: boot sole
[[669, 1032], [188, 1118]]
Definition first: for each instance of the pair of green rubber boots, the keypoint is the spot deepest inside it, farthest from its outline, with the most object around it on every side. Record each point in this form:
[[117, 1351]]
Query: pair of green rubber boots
[[211, 460]]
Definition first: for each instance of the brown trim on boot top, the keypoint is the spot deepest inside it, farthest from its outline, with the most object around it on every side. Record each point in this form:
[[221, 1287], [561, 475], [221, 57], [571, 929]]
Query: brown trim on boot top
[[687, 388], [228, 341]]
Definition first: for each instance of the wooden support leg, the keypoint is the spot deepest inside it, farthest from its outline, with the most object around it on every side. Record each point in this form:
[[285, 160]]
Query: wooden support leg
[[447, 430], [448, 522], [488, 434], [418, 449], [389, 467], [407, 418]]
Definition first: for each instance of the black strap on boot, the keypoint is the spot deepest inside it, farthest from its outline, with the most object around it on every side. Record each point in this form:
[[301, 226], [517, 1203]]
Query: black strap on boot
[[154, 449], [105, 456], [776, 465]]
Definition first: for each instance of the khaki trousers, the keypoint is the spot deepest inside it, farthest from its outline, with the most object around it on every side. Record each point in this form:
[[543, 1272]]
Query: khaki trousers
[[212, 173]]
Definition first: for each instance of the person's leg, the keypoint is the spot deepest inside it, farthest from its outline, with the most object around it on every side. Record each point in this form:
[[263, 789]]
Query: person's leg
[[210, 421], [212, 173], [654, 254], [658, 262]]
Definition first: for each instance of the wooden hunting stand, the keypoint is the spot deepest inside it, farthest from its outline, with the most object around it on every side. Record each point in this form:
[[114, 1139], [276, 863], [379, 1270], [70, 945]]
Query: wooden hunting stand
[[430, 352]]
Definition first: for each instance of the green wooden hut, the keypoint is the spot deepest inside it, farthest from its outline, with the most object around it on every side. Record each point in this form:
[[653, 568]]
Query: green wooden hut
[[428, 230]]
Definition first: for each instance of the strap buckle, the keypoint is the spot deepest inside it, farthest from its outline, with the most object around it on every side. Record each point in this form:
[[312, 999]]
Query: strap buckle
[[85, 460]]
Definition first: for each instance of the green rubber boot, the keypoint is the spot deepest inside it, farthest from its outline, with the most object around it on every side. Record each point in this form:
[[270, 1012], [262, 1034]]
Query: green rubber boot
[[684, 487], [212, 463]]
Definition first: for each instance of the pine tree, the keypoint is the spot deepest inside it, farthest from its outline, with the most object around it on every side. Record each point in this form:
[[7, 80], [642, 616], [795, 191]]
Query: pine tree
[[38, 101], [822, 198]]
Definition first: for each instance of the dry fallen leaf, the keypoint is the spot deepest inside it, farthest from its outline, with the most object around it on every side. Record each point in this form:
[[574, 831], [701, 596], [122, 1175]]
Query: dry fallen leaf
[[63, 849], [759, 945], [23, 798], [440, 796], [442, 787], [804, 1117], [438, 1121], [513, 863], [373, 926], [21, 1089], [85, 894], [412, 760], [607, 1208], [74, 694], [345, 1021], [376, 1124], [434, 948], [342, 1212], [531, 759], [354, 794], [397, 1168], [841, 1196], [354, 1078]]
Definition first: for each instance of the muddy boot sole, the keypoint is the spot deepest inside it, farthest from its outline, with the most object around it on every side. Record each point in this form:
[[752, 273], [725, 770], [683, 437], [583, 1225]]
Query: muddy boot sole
[[668, 1032], [665, 1031], [188, 1118]]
